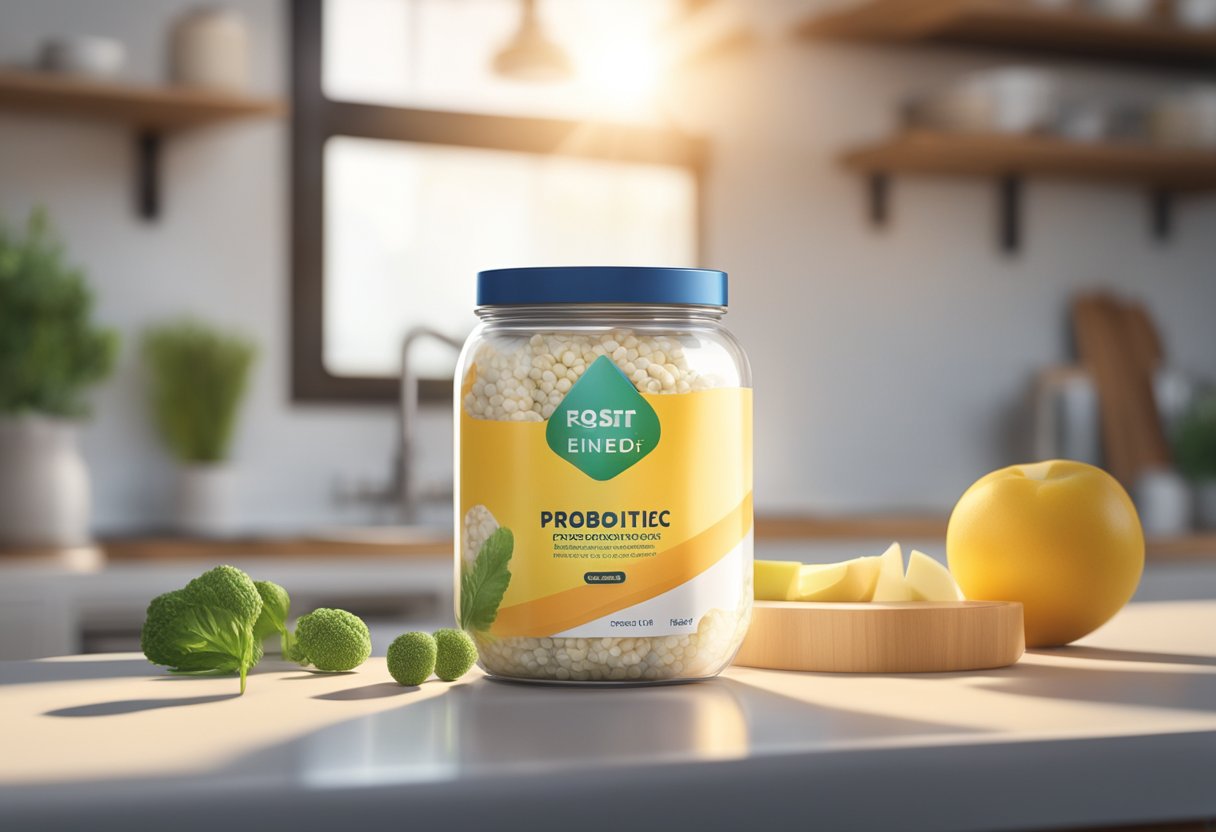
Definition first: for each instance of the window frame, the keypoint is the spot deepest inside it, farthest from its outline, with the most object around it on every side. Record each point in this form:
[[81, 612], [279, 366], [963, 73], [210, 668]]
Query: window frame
[[315, 119]]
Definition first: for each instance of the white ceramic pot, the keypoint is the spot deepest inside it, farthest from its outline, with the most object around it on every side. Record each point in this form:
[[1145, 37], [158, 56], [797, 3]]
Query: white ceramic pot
[[1163, 501], [1205, 504], [205, 504], [44, 485], [83, 55], [1005, 100], [210, 48]]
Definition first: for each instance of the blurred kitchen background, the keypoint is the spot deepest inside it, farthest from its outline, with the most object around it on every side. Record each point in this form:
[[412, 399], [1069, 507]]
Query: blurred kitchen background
[[960, 235]]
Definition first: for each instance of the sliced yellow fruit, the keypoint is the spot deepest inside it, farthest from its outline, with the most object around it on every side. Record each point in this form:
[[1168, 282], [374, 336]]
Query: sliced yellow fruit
[[848, 581], [928, 580], [816, 581], [865, 572], [891, 584], [879, 578], [776, 580]]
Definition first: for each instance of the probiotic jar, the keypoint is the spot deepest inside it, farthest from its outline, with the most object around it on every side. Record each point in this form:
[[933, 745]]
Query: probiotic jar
[[604, 476]]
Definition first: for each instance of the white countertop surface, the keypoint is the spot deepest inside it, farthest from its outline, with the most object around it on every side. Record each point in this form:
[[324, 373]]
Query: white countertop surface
[[1120, 728]]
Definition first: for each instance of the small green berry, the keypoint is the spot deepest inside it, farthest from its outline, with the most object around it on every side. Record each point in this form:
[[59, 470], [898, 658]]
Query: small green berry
[[411, 658], [456, 654]]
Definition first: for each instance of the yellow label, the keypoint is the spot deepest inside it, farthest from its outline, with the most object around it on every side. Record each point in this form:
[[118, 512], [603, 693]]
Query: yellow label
[[642, 543]]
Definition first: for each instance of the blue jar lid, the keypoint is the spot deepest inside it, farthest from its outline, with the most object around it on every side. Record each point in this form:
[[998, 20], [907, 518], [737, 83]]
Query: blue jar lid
[[601, 284]]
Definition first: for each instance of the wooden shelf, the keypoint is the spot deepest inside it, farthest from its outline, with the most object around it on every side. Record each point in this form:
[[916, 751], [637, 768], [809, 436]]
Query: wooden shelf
[[144, 108], [920, 151], [149, 111], [1008, 159], [1018, 24]]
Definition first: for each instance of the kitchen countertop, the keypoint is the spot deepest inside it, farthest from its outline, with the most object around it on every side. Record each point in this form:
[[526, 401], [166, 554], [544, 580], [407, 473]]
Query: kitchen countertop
[[1120, 728], [48, 610]]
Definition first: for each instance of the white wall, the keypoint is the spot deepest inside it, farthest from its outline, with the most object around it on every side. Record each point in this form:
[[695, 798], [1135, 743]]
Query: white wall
[[888, 366], [220, 251]]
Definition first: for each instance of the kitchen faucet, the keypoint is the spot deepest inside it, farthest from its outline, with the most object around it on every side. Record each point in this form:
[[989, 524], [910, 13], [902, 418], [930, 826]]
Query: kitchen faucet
[[408, 493]]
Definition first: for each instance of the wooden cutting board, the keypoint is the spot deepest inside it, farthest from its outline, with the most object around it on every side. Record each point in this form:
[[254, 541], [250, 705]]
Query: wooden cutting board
[[916, 637], [1121, 349]]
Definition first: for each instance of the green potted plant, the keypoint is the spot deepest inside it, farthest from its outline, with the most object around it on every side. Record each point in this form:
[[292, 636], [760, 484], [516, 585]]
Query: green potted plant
[[50, 352], [1195, 452], [198, 378]]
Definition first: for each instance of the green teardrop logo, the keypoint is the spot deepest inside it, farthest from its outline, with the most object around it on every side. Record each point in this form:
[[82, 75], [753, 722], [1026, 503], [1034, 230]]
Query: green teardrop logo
[[603, 426]]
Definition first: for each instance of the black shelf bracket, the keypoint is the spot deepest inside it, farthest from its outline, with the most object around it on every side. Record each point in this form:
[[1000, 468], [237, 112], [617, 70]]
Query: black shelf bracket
[[1010, 199], [147, 174], [878, 186], [1009, 213], [1009, 207], [1161, 214]]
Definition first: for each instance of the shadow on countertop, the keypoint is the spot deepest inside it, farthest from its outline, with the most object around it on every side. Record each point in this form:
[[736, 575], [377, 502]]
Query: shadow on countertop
[[131, 706], [1111, 655], [1133, 684], [377, 690]]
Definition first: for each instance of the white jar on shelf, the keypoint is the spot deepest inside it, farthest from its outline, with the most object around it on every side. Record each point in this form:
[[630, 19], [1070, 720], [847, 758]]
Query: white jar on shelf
[[209, 47]]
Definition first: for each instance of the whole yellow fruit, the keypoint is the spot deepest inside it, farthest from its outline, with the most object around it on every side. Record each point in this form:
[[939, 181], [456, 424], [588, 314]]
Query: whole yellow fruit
[[1062, 537]]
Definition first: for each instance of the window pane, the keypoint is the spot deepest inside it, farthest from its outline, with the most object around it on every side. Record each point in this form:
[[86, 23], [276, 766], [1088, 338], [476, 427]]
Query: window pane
[[438, 54], [407, 227]]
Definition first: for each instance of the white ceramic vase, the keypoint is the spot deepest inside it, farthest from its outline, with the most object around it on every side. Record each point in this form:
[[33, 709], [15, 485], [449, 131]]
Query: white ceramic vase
[[205, 505], [44, 485], [1205, 504]]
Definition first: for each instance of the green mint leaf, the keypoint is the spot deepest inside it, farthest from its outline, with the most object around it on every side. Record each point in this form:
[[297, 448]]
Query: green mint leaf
[[482, 587]]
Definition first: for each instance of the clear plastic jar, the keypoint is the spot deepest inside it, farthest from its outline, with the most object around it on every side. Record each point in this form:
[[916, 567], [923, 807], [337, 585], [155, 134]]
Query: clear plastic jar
[[604, 476]]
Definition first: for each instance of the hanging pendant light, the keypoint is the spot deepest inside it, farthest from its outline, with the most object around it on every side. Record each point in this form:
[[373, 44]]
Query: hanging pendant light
[[530, 55]]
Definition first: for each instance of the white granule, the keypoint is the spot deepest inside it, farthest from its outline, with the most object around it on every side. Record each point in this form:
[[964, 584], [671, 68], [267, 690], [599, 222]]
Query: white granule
[[692, 656], [478, 525], [525, 380]]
